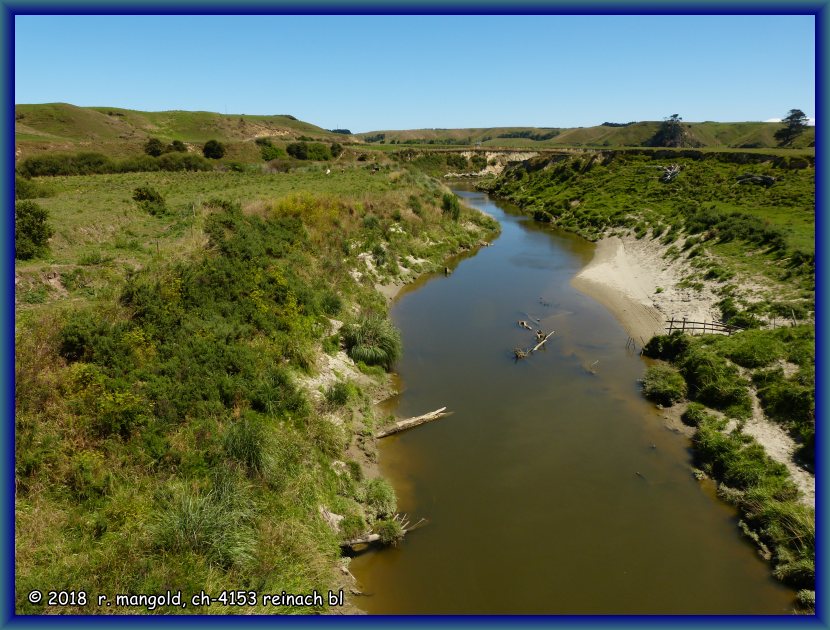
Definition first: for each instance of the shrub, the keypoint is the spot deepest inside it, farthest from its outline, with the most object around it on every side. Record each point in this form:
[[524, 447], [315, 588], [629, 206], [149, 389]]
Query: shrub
[[336, 149], [31, 230], [177, 146], [373, 340], [270, 152], [150, 200], [667, 347], [450, 206], [154, 147], [213, 150], [663, 384], [27, 189]]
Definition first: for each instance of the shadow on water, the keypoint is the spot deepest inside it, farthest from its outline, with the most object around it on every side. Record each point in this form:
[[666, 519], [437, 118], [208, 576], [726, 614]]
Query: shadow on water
[[554, 487]]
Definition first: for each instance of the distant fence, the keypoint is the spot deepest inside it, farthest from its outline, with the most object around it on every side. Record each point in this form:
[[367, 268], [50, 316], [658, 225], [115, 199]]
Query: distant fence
[[700, 328]]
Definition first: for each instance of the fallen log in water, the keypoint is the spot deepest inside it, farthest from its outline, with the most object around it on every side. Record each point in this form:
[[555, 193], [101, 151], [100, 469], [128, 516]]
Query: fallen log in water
[[523, 354], [403, 425], [369, 538]]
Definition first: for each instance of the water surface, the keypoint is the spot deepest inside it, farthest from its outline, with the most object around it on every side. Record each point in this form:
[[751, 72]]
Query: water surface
[[551, 489]]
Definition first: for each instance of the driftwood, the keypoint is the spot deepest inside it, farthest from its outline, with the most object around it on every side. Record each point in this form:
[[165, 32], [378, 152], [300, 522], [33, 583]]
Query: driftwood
[[368, 538], [670, 172], [522, 354], [403, 425]]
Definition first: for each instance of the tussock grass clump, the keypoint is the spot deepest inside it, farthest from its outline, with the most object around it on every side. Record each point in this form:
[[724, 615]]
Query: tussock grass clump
[[380, 497], [150, 200], [216, 524], [715, 382], [754, 348], [664, 385], [373, 340]]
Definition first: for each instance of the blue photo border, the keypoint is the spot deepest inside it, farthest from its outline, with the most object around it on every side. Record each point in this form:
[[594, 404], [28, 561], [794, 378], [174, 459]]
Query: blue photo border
[[10, 8]]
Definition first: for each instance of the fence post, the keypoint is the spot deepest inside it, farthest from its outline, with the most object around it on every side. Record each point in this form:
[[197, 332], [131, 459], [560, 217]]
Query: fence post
[[671, 325], [684, 324]]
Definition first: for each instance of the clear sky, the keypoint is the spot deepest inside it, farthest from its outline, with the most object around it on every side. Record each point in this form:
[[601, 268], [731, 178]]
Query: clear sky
[[402, 72]]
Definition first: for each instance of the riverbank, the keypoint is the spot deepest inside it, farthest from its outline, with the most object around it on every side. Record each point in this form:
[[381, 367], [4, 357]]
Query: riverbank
[[634, 279]]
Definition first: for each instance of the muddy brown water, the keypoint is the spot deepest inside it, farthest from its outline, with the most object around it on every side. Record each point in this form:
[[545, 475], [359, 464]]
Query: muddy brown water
[[551, 489]]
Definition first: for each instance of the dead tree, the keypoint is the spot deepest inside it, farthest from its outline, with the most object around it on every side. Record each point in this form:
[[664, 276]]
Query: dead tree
[[752, 178], [403, 425]]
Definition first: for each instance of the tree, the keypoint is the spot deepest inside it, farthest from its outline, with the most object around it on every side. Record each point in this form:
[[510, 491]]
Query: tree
[[31, 230], [154, 147], [177, 146], [670, 133], [796, 123], [213, 149]]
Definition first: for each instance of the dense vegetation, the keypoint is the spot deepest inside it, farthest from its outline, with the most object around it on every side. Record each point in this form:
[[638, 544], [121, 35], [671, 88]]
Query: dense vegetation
[[164, 437]]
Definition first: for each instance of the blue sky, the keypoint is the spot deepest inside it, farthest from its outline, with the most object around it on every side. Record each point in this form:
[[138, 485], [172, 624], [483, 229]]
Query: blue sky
[[398, 72]]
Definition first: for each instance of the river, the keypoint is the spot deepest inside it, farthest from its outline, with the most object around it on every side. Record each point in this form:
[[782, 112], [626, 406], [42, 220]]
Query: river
[[554, 487]]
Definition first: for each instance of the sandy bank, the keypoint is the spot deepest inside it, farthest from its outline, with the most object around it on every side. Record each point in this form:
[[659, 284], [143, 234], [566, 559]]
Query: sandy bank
[[634, 281]]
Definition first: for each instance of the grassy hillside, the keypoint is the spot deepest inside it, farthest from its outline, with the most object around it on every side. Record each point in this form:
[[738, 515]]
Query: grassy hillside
[[179, 423], [119, 132], [706, 134]]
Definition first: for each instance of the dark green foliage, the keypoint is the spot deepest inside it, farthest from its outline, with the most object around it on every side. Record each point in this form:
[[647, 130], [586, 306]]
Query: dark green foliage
[[754, 348], [352, 526], [795, 124], [31, 230], [664, 385], [695, 414], [308, 151], [213, 150], [177, 146], [450, 206], [150, 200], [336, 149], [27, 189], [671, 134], [374, 340], [96, 164], [154, 147], [714, 381], [766, 497], [667, 347], [457, 161], [543, 216]]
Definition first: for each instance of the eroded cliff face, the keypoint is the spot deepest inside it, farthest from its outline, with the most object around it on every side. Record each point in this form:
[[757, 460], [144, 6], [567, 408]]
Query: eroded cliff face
[[497, 161]]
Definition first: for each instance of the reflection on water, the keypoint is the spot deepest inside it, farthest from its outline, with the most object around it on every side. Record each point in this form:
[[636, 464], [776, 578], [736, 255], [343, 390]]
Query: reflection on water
[[554, 487]]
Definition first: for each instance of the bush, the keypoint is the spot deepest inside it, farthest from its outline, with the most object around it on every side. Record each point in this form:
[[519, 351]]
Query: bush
[[31, 230], [336, 149], [374, 340], [450, 206], [177, 146], [270, 152], [667, 347], [27, 189], [213, 150], [154, 147], [150, 200], [664, 385]]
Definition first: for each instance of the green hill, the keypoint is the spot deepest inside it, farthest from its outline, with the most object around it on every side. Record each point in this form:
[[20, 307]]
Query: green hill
[[65, 127], [719, 135]]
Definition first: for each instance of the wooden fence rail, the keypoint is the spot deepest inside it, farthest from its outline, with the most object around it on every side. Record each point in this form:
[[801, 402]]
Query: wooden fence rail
[[686, 326]]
